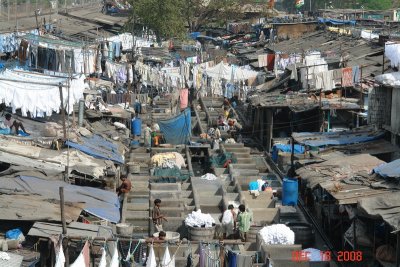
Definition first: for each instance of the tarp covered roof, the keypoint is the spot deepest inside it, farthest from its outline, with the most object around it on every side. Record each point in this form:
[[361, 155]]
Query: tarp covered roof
[[101, 203], [385, 206], [336, 21], [98, 147], [317, 139]]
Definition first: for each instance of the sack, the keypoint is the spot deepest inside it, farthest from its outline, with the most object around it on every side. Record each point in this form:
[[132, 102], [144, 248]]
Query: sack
[[15, 234]]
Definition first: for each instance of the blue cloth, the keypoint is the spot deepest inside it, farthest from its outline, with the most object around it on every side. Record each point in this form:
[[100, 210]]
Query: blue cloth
[[111, 51], [22, 133], [232, 259], [177, 130], [253, 185], [298, 149], [229, 90], [5, 131], [391, 169], [356, 75], [98, 147], [117, 48], [337, 21]]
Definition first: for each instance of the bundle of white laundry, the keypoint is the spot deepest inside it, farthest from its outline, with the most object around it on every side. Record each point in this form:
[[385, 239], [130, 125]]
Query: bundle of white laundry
[[277, 234], [198, 219]]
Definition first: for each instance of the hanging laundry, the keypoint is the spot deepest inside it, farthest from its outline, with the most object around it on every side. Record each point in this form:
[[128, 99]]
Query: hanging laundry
[[202, 256], [22, 52], [347, 77], [356, 74], [167, 261], [392, 52], [262, 60], [115, 257], [83, 259], [184, 97], [117, 48], [110, 51], [244, 260], [324, 80], [60, 257], [151, 259], [103, 260], [232, 261], [270, 62]]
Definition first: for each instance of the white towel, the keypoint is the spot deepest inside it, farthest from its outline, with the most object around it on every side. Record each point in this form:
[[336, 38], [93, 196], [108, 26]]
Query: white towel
[[151, 260], [115, 256]]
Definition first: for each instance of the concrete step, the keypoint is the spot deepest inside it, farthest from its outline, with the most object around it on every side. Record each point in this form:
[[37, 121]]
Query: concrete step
[[137, 207], [238, 149]]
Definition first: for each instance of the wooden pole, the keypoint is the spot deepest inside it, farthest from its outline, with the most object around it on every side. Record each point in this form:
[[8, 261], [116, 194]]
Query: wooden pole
[[64, 224], [63, 112]]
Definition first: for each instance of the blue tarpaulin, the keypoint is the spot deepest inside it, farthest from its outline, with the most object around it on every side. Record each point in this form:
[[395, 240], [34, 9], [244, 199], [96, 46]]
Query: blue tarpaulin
[[337, 21], [98, 147], [177, 130], [336, 138], [101, 203], [194, 35], [391, 169], [298, 149]]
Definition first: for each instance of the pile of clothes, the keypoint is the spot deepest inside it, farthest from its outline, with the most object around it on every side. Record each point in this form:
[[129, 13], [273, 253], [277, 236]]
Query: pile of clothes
[[168, 160], [198, 219], [277, 234]]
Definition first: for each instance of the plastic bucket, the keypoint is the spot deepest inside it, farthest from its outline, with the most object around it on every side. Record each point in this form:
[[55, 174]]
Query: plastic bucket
[[136, 126], [290, 192]]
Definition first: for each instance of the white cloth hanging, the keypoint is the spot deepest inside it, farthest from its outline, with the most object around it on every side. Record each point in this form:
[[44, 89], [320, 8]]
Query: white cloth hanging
[[103, 260], [83, 259], [115, 257], [60, 258], [167, 261], [151, 259]]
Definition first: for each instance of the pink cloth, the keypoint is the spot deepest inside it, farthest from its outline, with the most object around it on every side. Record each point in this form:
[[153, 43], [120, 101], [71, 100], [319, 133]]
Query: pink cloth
[[347, 77], [184, 97]]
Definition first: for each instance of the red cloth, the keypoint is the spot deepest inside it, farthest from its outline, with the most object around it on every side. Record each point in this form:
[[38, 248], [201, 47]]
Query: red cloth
[[270, 62], [184, 97], [347, 77]]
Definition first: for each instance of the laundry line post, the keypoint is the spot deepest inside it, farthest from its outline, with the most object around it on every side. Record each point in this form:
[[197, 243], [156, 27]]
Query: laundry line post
[[62, 111], [64, 226]]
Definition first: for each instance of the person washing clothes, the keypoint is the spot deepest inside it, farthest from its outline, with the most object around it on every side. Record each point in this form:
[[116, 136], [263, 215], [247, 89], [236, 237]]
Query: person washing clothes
[[157, 216], [244, 220], [228, 222], [10, 123]]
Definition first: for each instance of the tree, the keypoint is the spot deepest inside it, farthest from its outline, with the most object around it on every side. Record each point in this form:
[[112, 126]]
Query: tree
[[161, 16]]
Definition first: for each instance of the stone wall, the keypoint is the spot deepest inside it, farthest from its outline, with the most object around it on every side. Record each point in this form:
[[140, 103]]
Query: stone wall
[[379, 106]]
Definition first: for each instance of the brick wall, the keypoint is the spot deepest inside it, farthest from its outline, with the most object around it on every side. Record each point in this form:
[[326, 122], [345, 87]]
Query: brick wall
[[379, 106]]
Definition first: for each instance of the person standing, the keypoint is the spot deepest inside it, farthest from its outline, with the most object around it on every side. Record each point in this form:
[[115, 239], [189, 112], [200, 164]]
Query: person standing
[[228, 222], [244, 220], [147, 136], [158, 217], [123, 189]]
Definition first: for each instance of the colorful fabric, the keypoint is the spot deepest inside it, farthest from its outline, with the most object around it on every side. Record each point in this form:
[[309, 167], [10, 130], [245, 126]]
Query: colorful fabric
[[184, 97], [347, 77]]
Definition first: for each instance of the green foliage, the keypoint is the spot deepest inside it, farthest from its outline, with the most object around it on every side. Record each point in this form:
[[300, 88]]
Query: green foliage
[[162, 16], [377, 5]]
